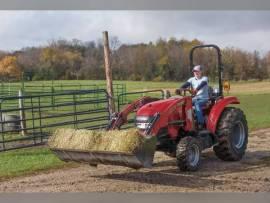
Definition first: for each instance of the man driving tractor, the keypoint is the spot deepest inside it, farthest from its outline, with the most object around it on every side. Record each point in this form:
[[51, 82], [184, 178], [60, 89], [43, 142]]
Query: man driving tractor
[[167, 125], [199, 88]]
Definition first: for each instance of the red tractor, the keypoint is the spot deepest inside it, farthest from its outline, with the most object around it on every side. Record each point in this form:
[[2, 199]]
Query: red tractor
[[170, 125]]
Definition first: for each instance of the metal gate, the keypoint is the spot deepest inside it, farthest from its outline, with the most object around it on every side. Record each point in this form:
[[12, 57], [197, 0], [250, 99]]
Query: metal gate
[[27, 121]]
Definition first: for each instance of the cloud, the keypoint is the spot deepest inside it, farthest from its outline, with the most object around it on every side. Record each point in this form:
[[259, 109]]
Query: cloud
[[244, 29]]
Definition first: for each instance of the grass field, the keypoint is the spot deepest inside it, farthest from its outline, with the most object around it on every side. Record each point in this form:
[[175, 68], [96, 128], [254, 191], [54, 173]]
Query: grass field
[[257, 110], [254, 98], [27, 161]]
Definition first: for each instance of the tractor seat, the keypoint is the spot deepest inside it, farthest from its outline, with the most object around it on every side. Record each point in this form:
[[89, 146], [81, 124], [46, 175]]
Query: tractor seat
[[212, 99], [212, 96]]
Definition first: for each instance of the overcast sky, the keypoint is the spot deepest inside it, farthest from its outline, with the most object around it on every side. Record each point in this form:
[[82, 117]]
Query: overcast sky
[[248, 30]]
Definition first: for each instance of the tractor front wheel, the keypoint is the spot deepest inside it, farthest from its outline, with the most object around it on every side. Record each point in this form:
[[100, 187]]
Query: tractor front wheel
[[188, 154], [232, 132]]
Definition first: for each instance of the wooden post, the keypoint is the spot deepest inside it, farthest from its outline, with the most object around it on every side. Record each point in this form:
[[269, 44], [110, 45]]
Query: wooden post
[[22, 113], [108, 72]]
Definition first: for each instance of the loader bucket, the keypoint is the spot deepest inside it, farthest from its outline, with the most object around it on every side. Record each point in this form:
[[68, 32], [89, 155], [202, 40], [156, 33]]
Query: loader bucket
[[142, 157]]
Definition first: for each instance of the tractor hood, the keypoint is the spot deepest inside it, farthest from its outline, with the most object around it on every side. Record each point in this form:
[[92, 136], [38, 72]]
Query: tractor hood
[[157, 106]]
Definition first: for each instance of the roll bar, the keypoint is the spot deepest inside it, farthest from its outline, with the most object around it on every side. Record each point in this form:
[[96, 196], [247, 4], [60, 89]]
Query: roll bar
[[220, 66]]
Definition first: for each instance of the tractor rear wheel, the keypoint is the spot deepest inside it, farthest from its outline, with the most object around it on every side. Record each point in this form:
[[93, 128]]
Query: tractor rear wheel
[[232, 132], [188, 154]]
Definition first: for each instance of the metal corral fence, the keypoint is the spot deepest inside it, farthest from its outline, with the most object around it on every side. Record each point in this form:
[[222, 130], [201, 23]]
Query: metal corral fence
[[12, 89], [34, 118]]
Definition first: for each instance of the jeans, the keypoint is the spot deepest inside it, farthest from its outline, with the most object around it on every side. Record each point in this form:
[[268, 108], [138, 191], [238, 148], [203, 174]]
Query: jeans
[[198, 104]]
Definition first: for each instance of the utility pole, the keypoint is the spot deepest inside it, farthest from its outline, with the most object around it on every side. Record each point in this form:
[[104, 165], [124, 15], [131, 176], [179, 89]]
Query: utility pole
[[108, 72]]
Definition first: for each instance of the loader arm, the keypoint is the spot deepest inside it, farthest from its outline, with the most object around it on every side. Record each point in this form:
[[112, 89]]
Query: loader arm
[[120, 118]]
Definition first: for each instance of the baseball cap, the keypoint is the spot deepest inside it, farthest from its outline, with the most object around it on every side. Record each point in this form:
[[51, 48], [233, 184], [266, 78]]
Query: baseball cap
[[197, 68]]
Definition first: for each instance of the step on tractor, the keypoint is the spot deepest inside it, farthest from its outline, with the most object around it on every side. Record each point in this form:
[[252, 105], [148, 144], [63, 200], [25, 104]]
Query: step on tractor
[[170, 125]]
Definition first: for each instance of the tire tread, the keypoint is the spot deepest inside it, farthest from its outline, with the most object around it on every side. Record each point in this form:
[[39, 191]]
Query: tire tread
[[224, 149]]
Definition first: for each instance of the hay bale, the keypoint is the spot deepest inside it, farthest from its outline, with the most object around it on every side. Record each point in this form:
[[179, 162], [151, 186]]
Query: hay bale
[[60, 138], [96, 140], [124, 140]]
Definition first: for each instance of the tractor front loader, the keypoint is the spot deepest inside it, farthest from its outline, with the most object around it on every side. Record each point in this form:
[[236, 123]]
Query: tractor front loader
[[170, 125], [143, 157]]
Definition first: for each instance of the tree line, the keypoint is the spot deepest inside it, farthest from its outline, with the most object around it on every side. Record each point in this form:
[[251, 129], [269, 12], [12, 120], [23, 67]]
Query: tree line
[[163, 60]]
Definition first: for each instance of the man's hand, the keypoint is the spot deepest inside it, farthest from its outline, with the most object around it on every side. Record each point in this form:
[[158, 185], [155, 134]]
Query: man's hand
[[194, 92]]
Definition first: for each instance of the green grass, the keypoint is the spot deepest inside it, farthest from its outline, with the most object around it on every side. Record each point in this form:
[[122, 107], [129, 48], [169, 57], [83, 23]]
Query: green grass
[[256, 106], [257, 110], [27, 161]]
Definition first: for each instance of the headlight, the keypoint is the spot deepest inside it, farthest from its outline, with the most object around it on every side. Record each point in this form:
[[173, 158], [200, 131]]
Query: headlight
[[143, 122]]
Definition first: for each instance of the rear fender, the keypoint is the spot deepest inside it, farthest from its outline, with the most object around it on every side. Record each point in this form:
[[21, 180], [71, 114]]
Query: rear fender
[[217, 110]]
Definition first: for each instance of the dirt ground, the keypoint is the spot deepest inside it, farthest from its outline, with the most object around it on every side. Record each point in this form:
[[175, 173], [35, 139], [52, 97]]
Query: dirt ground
[[252, 174]]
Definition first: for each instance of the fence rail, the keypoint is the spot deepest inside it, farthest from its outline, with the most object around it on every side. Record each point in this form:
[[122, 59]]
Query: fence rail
[[11, 89]]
